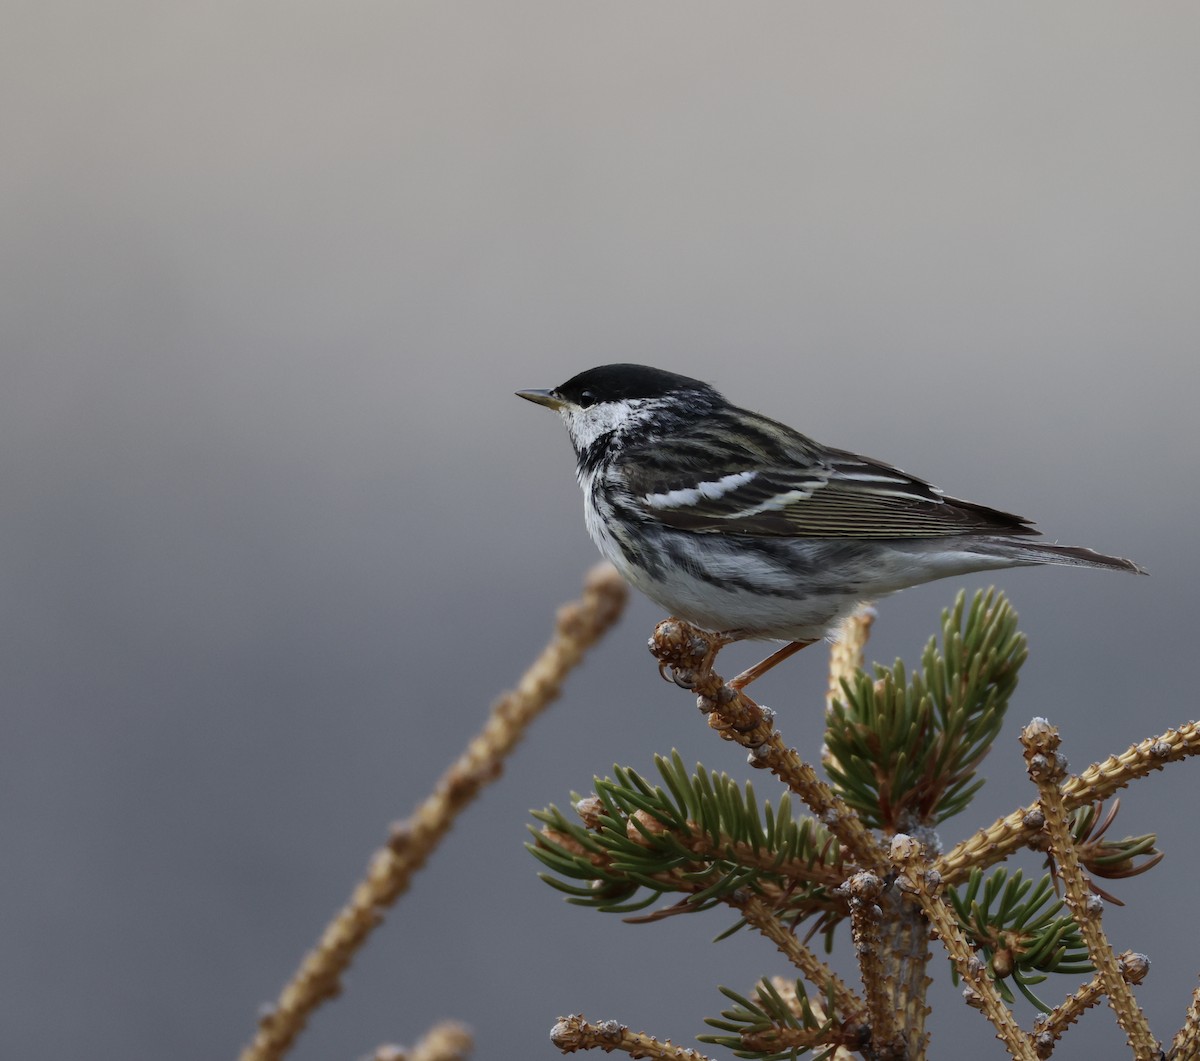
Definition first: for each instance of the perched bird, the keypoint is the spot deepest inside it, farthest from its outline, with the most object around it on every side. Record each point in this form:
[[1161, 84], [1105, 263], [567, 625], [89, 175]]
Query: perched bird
[[747, 528]]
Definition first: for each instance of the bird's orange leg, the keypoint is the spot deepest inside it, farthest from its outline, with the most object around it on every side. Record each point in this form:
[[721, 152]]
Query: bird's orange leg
[[761, 668]]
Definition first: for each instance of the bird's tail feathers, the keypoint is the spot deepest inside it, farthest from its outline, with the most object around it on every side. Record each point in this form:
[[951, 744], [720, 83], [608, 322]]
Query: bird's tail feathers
[[1070, 556]]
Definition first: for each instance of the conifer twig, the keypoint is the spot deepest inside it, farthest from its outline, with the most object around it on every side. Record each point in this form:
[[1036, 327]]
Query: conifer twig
[[904, 934], [796, 871], [900, 955], [713, 845], [1050, 1027], [575, 1033], [786, 990], [686, 880], [846, 658], [919, 879], [848, 1007], [848, 653], [754, 911], [776, 1040], [689, 652], [579, 625], [448, 1041], [1047, 769], [1098, 781], [1186, 1043], [864, 891]]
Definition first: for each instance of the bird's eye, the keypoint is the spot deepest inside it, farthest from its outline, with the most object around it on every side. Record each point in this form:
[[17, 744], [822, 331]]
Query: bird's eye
[[587, 398]]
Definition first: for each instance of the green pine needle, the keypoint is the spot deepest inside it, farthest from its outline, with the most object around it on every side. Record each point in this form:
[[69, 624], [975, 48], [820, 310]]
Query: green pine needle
[[903, 748], [1020, 928], [699, 835]]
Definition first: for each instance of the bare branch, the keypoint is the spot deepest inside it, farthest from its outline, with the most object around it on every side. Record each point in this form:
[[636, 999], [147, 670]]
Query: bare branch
[[579, 625], [575, 1033], [1098, 781], [1047, 769]]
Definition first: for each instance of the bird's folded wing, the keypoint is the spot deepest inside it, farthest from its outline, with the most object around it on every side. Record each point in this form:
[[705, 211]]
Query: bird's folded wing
[[838, 495]]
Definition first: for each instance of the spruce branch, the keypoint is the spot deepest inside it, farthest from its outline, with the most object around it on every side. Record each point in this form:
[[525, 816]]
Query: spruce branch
[[1021, 930], [793, 995], [1047, 769], [448, 1041], [1186, 1044], [689, 652], [906, 933], [701, 835], [844, 1003], [780, 1022], [1049, 1027], [1111, 859], [1097, 782], [917, 878], [575, 1033], [864, 893], [635, 836], [579, 625], [903, 749], [708, 815], [848, 653]]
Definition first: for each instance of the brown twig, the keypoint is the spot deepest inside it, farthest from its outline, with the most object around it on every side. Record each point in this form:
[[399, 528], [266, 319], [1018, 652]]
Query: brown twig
[[720, 847], [775, 1041], [579, 625], [864, 893], [575, 1033], [1050, 1027], [1047, 769], [920, 880], [1186, 1044], [753, 908], [904, 934], [448, 1041], [786, 990], [849, 1009], [689, 653], [903, 946], [848, 652], [1098, 781]]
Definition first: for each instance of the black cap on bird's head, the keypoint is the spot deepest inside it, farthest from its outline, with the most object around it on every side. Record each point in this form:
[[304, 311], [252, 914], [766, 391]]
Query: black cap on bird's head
[[615, 383]]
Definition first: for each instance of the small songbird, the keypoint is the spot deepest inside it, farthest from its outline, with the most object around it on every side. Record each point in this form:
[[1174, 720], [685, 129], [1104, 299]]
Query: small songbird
[[749, 529]]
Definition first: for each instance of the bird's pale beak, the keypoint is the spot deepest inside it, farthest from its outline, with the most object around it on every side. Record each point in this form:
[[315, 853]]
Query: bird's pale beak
[[547, 398]]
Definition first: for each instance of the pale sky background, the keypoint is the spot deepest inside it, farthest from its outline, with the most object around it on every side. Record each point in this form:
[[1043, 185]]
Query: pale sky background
[[276, 532]]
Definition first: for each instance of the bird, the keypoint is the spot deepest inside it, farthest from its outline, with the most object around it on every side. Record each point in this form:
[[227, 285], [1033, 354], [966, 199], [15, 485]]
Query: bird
[[747, 529]]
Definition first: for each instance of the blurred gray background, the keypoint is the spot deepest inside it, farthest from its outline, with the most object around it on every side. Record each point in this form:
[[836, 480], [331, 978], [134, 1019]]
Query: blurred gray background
[[276, 532]]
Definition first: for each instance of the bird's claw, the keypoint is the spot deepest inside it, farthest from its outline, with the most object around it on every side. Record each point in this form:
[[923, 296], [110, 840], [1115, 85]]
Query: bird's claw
[[685, 679]]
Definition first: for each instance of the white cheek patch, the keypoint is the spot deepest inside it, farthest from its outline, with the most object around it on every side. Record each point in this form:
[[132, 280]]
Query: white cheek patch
[[692, 495], [587, 425]]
